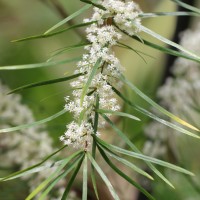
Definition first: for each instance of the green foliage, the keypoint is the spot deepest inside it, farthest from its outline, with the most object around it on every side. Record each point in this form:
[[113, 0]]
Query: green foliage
[[107, 151]]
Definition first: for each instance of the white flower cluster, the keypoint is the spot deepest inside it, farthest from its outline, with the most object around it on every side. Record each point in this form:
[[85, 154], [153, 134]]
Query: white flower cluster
[[102, 36], [180, 94], [29, 143], [76, 132], [124, 14], [155, 146], [22, 148]]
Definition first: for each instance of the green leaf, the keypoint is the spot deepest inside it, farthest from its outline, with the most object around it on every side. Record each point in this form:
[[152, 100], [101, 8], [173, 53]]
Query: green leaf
[[77, 13], [123, 175], [54, 33], [129, 164], [169, 124], [42, 83], [189, 7], [38, 65], [134, 148], [93, 171], [67, 170], [66, 192], [85, 174], [58, 114], [104, 178], [160, 48], [166, 41], [135, 50], [159, 14], [122, 114], [52, 176], [146, 158], [96, 119], [91, 76], [151, 115], [65, 49], [155, 105], [31, 169]]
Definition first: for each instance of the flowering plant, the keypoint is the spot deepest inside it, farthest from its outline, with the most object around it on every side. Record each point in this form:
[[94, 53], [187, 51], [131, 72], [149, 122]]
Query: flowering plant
[[99, 78]]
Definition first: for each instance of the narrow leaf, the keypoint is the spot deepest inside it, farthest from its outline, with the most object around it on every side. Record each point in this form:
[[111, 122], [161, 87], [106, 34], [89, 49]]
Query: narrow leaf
[[42, 83], [169, 124], [85, 174], [77, 13], [165, 40], [154, 104], [66, 192], [129, 164], [96, 119], [58, 114], [31, 169], [159, 14], [65, 49], [147, 158], [189, 7], [54, 33], [123, 175], [38, 65], [104, 178], [67, 170], [91, 76], [122, 114], [134, 148], [161, 48], [135, 50], [52, 176]]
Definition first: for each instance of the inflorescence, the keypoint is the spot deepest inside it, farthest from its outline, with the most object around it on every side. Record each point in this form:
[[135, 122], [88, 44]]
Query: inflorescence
[[109, 19]]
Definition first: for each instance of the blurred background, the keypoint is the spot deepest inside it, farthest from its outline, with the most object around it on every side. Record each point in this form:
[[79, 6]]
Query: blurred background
[[23, 18]]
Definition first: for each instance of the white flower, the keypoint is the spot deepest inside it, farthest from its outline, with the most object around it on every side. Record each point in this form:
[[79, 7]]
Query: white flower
[[102, 36], [79, 136]]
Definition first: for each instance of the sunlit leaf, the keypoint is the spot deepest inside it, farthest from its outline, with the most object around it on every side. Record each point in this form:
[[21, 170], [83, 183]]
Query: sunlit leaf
[[155, 105]]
